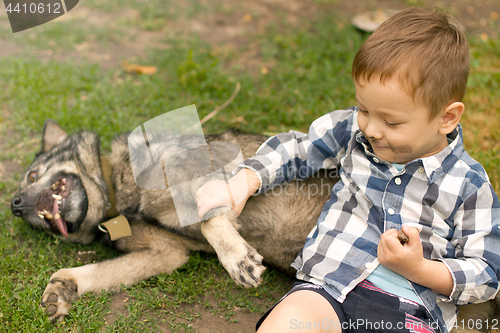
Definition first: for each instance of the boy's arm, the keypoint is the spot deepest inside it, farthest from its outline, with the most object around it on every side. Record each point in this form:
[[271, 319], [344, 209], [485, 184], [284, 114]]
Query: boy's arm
[[476, 266], [474, 270], [282, 158], [294, 155]]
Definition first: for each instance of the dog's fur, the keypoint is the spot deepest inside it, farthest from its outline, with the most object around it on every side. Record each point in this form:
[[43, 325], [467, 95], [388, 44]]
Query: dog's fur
[[273, 226]]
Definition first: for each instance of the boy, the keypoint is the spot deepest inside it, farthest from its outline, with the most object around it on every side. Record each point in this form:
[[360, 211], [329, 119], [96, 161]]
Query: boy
[[402, 166]]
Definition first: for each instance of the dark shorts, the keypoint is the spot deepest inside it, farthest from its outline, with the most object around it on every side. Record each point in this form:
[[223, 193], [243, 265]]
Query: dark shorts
[[368, 309]]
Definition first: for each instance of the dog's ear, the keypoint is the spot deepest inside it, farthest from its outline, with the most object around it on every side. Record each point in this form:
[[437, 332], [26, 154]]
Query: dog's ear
[[52, 135]]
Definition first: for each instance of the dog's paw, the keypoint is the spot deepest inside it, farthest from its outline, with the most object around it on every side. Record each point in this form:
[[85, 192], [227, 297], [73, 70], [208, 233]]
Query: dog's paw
[[244, 267], [242, 261], [57, 298]]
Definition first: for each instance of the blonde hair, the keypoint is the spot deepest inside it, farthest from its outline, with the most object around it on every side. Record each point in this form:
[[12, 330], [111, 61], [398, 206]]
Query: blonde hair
[[427, 51]]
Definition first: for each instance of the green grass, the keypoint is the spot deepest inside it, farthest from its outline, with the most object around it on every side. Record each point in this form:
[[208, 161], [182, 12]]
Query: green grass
[[308, 75]]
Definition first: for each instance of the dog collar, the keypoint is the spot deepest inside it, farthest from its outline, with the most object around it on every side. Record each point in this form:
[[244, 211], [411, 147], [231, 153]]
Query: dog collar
[[107, 171], [117, 226]]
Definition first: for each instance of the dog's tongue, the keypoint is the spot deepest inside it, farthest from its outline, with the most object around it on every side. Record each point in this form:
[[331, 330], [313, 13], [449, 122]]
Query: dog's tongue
[[60, 224]]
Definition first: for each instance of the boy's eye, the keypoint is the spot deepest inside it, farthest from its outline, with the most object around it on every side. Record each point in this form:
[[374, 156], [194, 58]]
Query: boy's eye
[[391, 124], [32, 176]]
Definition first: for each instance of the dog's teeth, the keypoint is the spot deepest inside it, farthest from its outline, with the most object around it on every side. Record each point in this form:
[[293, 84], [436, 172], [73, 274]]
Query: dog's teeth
[[63, 187], [41, 216], [57, 197], [53, 186], [47, 214], [57, 216]]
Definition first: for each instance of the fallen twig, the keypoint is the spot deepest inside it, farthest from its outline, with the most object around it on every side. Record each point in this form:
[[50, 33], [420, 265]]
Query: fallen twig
[[220, 107], [19, 145]]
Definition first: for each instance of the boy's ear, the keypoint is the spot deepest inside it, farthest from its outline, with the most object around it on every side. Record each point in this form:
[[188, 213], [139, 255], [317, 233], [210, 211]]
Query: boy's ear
[[450, 117]]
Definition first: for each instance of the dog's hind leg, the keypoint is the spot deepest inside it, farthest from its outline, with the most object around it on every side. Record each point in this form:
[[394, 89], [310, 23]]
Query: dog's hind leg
[[242, 262], [152, 251]]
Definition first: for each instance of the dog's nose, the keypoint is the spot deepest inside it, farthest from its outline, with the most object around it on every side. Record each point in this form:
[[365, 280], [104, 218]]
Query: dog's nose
[[16, 206]]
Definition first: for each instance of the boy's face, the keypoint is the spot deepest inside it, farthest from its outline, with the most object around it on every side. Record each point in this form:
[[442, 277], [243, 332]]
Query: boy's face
[[398, 130]]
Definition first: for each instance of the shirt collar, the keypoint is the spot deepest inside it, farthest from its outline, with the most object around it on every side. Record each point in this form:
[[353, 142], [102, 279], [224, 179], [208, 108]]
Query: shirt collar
[[436, 165], [441, 163]]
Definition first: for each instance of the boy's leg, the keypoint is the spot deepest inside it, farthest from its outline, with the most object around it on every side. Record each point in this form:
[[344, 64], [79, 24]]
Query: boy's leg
[[303, 310]]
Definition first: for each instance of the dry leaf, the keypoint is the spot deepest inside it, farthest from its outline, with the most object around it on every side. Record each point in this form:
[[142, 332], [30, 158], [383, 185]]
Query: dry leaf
[[240, 119], [138, 69]]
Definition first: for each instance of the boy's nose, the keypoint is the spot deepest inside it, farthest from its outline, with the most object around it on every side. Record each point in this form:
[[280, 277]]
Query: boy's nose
[[372, 132]]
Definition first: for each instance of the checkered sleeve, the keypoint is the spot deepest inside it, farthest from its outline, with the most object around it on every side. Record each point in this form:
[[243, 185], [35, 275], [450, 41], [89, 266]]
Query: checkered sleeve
[[476, 269], [295, 155]]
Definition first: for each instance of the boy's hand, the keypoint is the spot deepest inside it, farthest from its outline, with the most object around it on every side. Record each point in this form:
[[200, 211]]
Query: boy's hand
[[405, 259], [408, 260], [234, 194], [213, 194]]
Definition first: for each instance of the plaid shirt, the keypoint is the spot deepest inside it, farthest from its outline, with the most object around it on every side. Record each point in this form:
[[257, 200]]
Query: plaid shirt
[[447, 195]]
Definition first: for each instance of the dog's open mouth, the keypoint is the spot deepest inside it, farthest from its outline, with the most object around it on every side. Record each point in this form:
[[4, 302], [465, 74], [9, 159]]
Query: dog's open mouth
[[51, 202]]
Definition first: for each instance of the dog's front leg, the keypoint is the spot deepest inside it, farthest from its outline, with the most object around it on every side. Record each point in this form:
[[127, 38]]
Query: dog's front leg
[[242, 261]]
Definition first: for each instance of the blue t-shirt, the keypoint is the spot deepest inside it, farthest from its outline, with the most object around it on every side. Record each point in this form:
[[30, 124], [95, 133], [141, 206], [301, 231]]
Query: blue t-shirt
[[393, 283]]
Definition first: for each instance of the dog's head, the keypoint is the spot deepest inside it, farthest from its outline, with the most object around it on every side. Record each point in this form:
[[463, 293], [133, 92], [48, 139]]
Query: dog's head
[[63, 191]]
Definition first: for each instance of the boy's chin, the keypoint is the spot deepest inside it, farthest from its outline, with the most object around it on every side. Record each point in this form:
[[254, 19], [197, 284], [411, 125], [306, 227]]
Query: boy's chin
[[391, 155]]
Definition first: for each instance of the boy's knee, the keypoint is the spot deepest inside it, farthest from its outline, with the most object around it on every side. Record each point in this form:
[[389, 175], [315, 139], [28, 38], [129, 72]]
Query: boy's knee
[[299, 310], [281, 317]]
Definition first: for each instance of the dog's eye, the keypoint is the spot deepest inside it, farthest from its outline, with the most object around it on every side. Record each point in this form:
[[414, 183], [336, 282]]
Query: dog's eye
[[32, 176]]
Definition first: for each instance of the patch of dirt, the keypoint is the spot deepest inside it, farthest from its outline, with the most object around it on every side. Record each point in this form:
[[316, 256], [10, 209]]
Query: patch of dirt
[[196, 316], [243, 321], [8, 168], [130, 44], [117, 307]]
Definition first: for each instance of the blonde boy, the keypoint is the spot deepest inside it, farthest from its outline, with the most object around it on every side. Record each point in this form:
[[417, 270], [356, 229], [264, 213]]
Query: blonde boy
[[402, 166]]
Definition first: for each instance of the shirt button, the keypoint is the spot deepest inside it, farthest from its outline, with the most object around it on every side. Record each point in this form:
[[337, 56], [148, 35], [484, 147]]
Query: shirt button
[[421, 169], [368, 265], [376, 160], [390, 211], [397, 181]]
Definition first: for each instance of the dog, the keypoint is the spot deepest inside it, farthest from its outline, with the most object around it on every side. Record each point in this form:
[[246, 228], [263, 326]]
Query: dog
[[64, 192], [70, 189]]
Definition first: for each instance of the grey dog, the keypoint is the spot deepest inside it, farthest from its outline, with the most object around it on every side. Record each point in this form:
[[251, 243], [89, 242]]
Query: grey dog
[[69, 189]]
